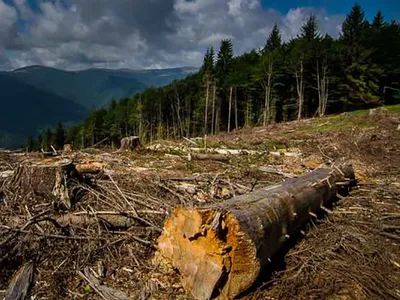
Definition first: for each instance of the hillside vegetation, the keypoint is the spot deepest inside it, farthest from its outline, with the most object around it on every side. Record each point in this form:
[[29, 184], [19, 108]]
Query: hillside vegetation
[[27, 109], [310, 75], [36, 98]]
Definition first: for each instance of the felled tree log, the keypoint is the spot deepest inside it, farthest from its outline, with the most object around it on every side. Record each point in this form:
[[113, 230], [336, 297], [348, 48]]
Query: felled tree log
[[199, 156], [220, 250], [130, 143], [50, 177]]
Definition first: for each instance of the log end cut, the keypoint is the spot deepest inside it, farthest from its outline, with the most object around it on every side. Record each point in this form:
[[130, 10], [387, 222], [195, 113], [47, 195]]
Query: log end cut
[[213, 256]]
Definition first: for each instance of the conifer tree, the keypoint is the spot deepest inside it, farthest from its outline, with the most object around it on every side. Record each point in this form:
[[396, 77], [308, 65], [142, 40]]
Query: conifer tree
[[59, 136], [360, 86]]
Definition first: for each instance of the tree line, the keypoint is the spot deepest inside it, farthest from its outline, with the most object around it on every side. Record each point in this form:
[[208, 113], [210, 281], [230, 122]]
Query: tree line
[[310, 75]]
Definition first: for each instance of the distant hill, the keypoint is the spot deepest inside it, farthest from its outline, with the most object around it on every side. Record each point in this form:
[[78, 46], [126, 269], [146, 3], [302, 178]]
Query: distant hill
[[35, 97], [94, 88], [26, 109]]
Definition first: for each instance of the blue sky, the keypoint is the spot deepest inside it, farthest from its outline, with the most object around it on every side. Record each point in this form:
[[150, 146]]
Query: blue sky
[[390, 8], [78, 34]]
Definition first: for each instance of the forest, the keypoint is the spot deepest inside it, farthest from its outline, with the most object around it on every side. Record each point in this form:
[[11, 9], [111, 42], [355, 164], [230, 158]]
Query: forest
[[308, 76]]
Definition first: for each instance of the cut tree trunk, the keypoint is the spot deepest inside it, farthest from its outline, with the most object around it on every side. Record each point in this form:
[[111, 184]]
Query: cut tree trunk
[[52, 178], [130, 143], [220, 250], [199, 156]]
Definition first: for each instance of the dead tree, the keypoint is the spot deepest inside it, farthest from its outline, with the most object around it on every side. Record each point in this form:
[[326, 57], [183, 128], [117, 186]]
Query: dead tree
[[220, 250], [230, 109], [322, 87], [213, 110], [300, 86]]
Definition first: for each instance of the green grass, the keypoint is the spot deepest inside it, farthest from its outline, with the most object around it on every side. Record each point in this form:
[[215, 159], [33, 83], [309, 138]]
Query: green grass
[[393, 108], [346, 121]]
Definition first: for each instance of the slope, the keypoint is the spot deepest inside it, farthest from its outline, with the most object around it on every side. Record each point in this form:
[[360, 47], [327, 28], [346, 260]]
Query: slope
[[95, 88], [26, 109]]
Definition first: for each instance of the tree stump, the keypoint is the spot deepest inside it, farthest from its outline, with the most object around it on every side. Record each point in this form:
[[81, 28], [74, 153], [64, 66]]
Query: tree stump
[[130, 143], [220, 250], [67, 149], [53, 178]]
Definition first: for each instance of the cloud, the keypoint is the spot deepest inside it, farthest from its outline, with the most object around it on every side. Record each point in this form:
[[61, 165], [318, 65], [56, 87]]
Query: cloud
[[74, 34]]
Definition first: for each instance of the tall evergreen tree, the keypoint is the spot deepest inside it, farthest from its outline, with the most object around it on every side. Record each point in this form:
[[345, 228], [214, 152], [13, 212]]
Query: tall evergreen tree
[[59, 136], [379, 21], [268, 71], [360, 87], [274, 40], [310, 31], [224, 61], [48, 140], [223, 70]]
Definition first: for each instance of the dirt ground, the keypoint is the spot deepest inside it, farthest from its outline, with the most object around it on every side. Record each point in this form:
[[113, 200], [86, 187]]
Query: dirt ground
[[351, 253]]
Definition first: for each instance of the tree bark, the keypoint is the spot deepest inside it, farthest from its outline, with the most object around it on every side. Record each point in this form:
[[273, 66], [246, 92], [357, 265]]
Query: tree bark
[[206, 108], [300, 89], [220, 250], [53, 178], [213, 110], [236, 111], [230, 109]]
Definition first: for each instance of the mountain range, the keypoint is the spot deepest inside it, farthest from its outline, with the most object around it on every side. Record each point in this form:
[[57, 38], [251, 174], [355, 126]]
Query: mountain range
[[36, 97]]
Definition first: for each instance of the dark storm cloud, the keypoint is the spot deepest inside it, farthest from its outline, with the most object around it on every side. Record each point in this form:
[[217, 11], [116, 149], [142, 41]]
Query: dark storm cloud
[[76, 34]]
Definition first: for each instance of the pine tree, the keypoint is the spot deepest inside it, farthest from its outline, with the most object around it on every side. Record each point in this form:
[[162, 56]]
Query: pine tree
[[274, 40], [30, 144], [48, 140], [224, 61], [310, 31], [223, 70], [379, 21], [59, 136], [360, 87], [267, 71], [208, 73], [40, 141]]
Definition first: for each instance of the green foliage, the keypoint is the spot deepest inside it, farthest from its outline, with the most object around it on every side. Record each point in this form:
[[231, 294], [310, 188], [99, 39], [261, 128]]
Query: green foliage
[[274, 41], [224, 61], [359, 70], [59, 137]]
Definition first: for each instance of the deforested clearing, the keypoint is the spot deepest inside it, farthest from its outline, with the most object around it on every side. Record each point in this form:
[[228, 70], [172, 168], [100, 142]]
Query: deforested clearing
[[90, 224]]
